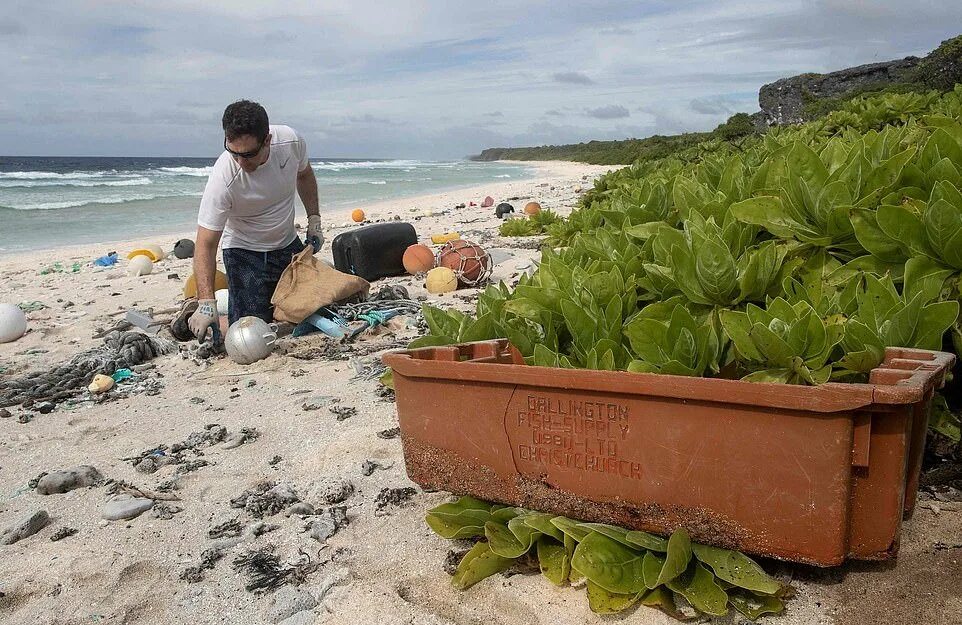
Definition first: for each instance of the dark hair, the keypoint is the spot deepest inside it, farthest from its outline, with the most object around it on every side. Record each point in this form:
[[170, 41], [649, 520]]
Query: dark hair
[[245, 118]]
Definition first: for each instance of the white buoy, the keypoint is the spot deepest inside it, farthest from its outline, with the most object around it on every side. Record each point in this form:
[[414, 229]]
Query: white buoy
[[139, 265], [223, 301], [13, 323]]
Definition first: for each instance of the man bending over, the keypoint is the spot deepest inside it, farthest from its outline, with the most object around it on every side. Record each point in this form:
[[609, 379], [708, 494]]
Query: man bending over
[[248, 206]]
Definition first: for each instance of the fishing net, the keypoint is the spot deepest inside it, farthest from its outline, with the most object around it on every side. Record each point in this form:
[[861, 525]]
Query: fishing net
[[469, 262], [120, 350]]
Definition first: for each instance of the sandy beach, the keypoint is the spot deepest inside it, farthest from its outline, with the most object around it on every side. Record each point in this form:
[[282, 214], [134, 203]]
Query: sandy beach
[[310, 426]]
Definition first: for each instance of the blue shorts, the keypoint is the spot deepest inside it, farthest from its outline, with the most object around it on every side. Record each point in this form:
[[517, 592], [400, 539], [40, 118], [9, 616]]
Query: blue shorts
[[252, 277]]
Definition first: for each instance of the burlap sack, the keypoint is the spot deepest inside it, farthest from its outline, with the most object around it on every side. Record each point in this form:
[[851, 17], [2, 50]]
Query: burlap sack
[[309, 283]]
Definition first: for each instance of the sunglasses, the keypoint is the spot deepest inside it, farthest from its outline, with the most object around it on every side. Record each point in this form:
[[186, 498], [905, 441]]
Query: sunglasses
[[247, 155]]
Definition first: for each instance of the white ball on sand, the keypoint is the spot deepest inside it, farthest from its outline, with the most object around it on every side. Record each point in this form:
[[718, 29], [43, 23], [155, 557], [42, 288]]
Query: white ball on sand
[[13, 323], [139, 265]]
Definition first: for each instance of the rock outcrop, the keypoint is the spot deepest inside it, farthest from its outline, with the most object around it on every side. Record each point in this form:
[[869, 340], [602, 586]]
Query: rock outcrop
[[784, 101]]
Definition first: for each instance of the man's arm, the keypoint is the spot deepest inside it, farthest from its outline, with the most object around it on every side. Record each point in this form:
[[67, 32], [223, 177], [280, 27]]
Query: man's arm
[[307, 190], [205, 261]]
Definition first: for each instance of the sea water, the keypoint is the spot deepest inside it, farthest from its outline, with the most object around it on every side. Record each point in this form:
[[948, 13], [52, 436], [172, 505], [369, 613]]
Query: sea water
[[47, 202]]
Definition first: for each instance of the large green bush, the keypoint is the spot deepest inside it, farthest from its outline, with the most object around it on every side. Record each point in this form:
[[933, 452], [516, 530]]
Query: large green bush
[[796, 257]]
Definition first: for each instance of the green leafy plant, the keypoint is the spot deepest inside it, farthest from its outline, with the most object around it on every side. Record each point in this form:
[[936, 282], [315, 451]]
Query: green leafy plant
[[786, 343], [885, 318], [529, 226], [667, 338], [619, 567]]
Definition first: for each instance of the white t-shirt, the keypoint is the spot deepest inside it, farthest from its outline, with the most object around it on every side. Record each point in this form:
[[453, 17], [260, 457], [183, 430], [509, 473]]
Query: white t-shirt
[[256, 211]]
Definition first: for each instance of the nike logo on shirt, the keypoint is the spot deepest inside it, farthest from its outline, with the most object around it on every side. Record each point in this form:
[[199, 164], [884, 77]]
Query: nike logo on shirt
[[285, 162]]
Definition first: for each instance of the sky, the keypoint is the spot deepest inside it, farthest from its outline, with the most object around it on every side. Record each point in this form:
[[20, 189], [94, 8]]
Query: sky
[[419, 79]]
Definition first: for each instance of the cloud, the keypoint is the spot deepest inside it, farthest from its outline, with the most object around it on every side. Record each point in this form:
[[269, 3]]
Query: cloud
[[412, 79], [10, 27], [611, 111], [715, 105], [574, 78], [368, 119]]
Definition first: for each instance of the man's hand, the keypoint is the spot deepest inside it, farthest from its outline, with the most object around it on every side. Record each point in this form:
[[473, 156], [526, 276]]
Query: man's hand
[[315, 232], [204, 318]]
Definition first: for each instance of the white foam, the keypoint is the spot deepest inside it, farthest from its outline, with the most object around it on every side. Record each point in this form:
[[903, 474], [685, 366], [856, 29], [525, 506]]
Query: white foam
[[70, 182], [342, 165], [187, 171], [50, 175], [100, 200]]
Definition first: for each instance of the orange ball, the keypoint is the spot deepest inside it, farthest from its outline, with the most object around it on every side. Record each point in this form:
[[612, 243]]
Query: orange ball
[[357, 215], [418, 258], [532, 208], [468, 260]]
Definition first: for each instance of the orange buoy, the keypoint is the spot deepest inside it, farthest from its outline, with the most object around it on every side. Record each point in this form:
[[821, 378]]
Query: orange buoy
[[532, 208], [418, 258], [469, 262], [357, 215]]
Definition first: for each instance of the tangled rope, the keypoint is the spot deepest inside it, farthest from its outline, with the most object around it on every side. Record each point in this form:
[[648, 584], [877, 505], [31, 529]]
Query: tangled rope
[[120, 350], [351, 312]]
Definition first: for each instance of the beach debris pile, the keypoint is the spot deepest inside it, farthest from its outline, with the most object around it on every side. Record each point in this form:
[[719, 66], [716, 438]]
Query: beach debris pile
[[458, 263], [121, 350], [265, 571], [187, 454]]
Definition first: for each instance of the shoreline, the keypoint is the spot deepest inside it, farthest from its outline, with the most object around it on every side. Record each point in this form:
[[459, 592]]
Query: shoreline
[[336, 220], [542, 171]]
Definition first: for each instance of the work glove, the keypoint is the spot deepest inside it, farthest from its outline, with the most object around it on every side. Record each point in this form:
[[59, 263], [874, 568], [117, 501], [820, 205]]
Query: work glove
[[315, 233], [203, 318]]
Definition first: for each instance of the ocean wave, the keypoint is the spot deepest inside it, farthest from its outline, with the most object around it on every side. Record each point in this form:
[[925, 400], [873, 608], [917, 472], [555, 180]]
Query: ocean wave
[[342, 165], [187, 171], [72, 182], [99, 200], [503, 176], [52, 175], [377, 181]]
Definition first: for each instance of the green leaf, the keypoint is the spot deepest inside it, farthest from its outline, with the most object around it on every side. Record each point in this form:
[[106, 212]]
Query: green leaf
[[805, 164], [463, 518], [553, 560], [478, 563], [754, 606], [651, 568], [768, 212], [570, 545], [611, 531], [737, 326], [871, 236], [677, 558], [512, 540], [525, 307], [661, 599], [647, 541], [698, 586], [736, 568], [440, 322], [542, 522], [609, 564], [602, 601], [570, 528]]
